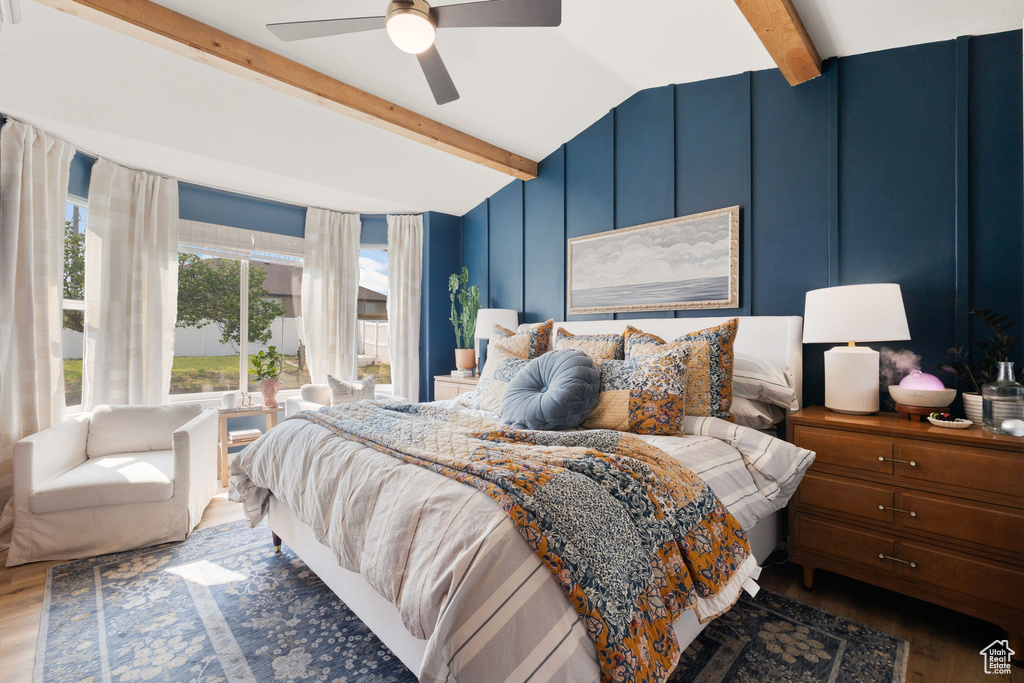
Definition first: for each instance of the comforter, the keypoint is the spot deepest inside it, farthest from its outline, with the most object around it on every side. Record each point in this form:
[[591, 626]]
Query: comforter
[[453, 562]]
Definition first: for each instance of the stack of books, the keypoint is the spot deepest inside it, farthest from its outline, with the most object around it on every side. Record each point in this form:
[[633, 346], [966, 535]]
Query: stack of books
[[238, 436]]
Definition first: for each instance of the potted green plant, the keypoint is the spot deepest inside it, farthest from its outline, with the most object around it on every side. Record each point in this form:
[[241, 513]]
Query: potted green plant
[[465, 304], [266, 367], [978, 364]]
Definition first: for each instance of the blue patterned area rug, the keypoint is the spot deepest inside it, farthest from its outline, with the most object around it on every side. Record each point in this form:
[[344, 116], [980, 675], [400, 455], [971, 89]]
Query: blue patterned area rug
[[223, 607]]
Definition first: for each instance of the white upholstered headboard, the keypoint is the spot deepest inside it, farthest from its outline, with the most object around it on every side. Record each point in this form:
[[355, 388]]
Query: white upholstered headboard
[[777, 339]]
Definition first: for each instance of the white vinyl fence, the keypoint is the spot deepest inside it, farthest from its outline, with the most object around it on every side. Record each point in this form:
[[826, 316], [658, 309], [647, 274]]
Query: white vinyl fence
[[373, 341], [205, 341]]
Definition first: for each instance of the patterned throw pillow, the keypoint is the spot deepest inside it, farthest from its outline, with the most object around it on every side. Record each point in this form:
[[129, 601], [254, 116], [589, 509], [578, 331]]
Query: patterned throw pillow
[[529, 342], [643, 395], [709, 370], [351, 392], [597, 346], [500, 368]]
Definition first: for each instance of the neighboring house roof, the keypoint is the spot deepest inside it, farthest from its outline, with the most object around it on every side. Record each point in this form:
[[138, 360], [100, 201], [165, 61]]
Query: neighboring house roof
[[285, 280], [370, 295]]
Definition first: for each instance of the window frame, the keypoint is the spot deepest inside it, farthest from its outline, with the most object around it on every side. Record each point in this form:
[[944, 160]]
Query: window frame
[[73, 305]]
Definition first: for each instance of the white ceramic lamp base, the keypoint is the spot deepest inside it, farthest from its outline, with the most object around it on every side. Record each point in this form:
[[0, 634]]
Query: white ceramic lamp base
[[851, 380]]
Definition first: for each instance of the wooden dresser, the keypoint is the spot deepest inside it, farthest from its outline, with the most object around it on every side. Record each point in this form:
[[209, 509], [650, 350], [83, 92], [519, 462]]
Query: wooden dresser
[[931, 512], [446, 386]]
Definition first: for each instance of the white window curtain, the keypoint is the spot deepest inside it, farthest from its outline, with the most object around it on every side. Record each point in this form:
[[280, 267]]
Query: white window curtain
[[34, 170], [131, 287], [330, 291], [405, 273]]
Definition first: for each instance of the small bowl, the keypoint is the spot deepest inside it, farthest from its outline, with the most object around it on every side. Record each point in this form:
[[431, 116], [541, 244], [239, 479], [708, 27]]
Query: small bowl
[[922, 398], [959, 423]]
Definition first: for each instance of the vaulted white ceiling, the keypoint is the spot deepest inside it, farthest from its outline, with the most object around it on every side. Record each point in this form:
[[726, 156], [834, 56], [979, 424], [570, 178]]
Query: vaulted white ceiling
[[527, 90]]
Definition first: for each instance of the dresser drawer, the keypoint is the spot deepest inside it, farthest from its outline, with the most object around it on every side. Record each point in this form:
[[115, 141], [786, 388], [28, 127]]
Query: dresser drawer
[[846, 449], [977, 578], [956, 519], [844, 543], [847, 496], [962, 466], [446, 390]]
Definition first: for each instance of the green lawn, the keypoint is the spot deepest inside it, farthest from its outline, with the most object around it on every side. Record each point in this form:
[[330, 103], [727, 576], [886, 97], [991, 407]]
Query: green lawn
[[196, 374]]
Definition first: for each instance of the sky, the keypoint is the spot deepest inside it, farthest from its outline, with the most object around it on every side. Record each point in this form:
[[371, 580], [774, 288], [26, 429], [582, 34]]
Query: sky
[[668, 253], [373, 269]]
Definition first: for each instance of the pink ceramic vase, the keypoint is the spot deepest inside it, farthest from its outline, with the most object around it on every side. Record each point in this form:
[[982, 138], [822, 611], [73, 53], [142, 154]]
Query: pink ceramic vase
[[269, 388]]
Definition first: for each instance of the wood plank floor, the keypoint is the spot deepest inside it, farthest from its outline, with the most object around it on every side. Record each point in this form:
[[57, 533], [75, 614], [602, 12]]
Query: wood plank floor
[[944, 645]]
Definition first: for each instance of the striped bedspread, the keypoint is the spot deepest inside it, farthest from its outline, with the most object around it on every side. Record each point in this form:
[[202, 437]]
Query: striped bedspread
[[452, 561]]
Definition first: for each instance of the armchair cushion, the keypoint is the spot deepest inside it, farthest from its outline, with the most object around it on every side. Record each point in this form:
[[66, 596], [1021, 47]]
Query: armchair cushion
[[126, 429], [138, 477]]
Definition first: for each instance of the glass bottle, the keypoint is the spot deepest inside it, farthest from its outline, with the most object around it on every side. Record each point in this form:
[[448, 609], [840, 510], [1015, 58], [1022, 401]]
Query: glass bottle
[[1002, 400]]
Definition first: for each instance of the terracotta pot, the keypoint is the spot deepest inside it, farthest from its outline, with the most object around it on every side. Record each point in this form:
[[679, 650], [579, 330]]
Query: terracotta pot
[[972, 406], [465, 359], [269, 388]]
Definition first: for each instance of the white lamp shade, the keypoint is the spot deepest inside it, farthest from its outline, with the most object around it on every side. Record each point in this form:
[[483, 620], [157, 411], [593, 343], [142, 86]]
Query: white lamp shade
[[487, 318], [855, 313]]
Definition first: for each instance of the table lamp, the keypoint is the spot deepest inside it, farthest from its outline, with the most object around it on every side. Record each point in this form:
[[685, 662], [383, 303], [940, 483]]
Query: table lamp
[[850, 314], [486, 319]]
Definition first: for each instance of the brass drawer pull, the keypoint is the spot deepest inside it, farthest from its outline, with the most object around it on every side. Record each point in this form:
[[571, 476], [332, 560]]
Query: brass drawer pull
[[913, 565], [906, 512], [905, 462]]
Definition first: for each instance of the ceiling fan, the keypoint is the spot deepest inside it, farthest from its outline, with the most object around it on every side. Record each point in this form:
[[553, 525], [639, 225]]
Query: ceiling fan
[[412, 24]]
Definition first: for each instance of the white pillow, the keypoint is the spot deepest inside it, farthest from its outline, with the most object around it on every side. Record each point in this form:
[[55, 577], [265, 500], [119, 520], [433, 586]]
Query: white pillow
[[130, 429], [755, 414], [759, 380], [350, 392]]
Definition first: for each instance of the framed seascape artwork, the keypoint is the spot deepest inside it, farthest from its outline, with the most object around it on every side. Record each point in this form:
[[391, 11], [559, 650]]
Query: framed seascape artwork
[[686, 262]]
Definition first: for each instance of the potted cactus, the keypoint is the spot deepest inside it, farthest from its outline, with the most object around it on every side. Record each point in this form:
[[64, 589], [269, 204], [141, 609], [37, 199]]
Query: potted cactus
[[465, 304]]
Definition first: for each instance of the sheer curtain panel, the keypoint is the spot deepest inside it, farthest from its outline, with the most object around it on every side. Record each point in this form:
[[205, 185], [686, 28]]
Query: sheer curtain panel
[[405, 274], [330, 291], [131, 287], [34, 171]]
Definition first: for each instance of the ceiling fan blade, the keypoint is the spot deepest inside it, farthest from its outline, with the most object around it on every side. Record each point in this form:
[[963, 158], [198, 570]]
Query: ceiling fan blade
[[301, 30], [500, 13], [440, 82]]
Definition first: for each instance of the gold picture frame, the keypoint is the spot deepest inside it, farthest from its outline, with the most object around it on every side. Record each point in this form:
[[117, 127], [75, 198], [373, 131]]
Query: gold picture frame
[[689, 262]]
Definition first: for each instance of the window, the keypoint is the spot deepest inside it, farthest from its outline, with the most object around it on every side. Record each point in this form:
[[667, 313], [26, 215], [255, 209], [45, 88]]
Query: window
[[73, 337], [372, 308], [222, 272]]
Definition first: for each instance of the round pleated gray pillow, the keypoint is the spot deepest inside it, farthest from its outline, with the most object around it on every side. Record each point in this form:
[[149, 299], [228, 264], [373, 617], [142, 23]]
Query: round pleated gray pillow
[[557, 390]]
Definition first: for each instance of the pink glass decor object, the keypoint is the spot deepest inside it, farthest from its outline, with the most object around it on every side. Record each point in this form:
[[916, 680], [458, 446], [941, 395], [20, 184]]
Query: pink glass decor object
[[922, 381]]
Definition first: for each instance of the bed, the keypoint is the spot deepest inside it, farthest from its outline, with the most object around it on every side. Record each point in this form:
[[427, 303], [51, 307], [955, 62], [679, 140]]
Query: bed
[[477, 608]]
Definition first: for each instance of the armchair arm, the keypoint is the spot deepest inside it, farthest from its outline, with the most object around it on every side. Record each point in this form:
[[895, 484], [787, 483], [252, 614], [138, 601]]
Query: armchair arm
[[195, 456], [49, 453], [295, 404]]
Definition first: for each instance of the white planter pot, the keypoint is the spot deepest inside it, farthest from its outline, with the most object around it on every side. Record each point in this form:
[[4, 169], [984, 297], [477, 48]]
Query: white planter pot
[[972, 407]]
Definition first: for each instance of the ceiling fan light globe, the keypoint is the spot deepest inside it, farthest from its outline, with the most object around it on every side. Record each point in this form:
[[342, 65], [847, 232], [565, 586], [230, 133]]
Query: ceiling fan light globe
[[410, 30]]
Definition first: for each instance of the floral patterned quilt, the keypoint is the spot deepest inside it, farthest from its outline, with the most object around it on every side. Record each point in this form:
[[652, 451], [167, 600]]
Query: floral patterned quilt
[[631, 535]]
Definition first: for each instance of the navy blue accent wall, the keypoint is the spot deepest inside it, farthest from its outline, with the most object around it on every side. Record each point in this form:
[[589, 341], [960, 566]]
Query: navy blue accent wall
[[544, 240], [505, 242], [81, 172], [210, 205], [896, 166], [207, 205], [442, 256]]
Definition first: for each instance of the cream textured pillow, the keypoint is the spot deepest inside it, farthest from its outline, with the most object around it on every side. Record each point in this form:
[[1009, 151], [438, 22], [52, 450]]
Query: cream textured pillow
[[350, 392]]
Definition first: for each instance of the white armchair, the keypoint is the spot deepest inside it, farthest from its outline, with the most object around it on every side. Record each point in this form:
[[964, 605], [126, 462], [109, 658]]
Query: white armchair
[[123, 477]]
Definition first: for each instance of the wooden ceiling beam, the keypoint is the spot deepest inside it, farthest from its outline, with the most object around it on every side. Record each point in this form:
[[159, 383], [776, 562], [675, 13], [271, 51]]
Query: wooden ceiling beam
[[778, 25], [185, 36]]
